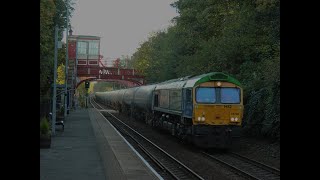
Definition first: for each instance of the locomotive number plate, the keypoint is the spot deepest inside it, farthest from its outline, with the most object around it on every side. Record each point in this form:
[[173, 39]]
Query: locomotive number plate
[[235, 114]]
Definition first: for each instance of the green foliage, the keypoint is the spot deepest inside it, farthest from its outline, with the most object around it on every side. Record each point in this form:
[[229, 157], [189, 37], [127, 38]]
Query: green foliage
[[44, 127], [240, 38], [46, 46], [82, 91], [52, 12], [61, 74], [125, 62], [102, 86]]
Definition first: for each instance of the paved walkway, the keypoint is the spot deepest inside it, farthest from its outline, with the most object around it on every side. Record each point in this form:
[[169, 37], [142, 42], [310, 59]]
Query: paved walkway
[[90, 148], [119, 159], [73, 153]]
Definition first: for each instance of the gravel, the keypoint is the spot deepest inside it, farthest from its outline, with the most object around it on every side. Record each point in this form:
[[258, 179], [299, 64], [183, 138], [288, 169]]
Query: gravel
[[262, 150]]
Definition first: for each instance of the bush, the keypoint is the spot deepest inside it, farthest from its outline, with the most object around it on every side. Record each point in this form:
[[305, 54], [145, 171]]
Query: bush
[[44, 127], [262, 112]]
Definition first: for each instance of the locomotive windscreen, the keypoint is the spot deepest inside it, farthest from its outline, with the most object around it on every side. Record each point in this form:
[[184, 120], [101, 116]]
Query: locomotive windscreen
[[230, 95], [206, 95], [210, 95]]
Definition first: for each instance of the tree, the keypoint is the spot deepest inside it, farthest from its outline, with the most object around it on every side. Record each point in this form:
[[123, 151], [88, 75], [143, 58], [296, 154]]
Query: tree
[[61, 74], [52, 13], [240, 38], [116, 63]]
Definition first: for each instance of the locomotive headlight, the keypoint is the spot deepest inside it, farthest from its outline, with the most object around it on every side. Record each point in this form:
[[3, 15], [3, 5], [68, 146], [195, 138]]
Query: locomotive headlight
[[232, 119], [203, 118], [236, 119], [199, 118], [219, 83]]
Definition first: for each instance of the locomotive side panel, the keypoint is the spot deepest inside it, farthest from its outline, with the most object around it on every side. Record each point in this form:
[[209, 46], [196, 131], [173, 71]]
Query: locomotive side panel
[[163, 98], [175, 99]]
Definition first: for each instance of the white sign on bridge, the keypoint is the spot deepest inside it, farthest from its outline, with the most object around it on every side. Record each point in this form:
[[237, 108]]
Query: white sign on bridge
[[104, 71]]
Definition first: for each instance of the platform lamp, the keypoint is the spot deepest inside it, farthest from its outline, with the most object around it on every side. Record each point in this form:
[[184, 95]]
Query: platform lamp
[[66, 68], [72, 79], [55, 80]]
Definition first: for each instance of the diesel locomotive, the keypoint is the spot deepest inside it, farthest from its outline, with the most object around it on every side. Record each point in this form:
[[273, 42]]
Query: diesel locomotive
[[203, 109]]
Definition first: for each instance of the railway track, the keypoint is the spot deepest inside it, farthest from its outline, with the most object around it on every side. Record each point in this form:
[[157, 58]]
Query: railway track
[[95, 104], [241, 165], [167, 163], [246, 167]]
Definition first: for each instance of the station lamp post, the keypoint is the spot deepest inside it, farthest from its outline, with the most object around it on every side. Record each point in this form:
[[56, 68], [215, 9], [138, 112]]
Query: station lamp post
[[66, 69], [54, 99]]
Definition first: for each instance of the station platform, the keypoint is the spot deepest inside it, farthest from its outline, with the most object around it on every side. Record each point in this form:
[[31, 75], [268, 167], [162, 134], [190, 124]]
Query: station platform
[[90, 148]]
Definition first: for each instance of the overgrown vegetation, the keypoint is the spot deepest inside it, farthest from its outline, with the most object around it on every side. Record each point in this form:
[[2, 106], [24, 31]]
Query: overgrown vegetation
[[104, 86], [81, 93], [240, 38], [52, 13], [44, 128]]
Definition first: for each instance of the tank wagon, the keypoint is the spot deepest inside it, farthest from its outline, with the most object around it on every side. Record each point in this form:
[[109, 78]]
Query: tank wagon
[[203, 109]]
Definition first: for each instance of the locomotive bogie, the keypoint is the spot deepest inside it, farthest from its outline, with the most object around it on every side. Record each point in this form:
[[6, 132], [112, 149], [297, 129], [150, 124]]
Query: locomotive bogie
[[206, 136]]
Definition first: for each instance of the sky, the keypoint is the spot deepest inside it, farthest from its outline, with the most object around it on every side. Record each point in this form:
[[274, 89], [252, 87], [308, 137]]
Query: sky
[[122, 24]]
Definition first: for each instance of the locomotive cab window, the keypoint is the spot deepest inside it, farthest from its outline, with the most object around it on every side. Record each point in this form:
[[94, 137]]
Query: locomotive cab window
[[230, 95], [205, 95]]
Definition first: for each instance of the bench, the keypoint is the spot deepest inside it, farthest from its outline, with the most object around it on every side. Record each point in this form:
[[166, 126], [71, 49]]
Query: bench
[[60, 123]]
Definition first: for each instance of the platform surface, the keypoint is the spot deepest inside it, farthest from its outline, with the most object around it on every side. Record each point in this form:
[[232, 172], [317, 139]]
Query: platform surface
[[90, 148]]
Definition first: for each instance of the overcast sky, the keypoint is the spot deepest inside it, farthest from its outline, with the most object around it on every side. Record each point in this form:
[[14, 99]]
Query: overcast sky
[[122, 24]]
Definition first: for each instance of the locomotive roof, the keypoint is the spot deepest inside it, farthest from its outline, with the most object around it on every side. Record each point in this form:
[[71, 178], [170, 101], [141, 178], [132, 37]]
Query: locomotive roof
[[216, 76], [191, 81]]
